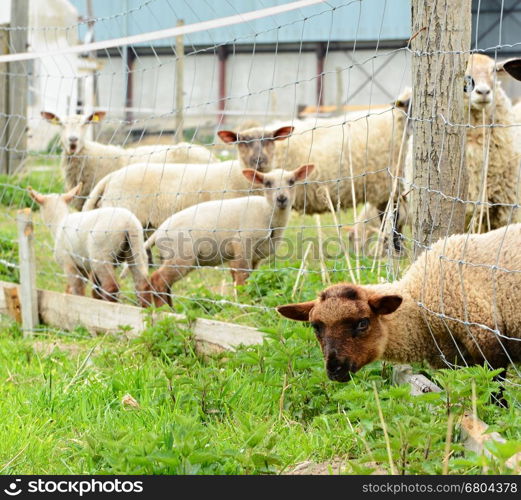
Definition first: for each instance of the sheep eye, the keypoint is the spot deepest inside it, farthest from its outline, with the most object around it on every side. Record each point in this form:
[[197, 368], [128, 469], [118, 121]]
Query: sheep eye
[[469, 84], [362, 324], [267, 184], [291, 182]]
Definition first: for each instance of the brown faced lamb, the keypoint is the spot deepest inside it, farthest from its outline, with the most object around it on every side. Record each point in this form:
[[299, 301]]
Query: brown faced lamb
[[458, 304]]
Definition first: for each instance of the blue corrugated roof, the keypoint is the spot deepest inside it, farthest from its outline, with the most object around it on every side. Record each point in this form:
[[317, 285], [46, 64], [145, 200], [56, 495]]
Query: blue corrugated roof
[[336, 20]]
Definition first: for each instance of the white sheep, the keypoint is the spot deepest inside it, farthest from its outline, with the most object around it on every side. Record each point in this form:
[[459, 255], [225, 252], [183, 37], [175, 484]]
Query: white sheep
[[87, 162], [91, 243], [458, 304], [153, 192], [242, 231], [352, 156], [492, 152]]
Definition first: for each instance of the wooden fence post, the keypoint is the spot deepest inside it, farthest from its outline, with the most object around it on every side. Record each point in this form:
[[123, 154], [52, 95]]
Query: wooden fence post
[[28, 293], [18, 86], [4, 108], [440, 45], [179, 84]]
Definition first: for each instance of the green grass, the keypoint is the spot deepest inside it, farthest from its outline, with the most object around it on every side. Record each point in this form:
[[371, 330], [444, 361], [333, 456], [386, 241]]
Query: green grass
[[259, 410]]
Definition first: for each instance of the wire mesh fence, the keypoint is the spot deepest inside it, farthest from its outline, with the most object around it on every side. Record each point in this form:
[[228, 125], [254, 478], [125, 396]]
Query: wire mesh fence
[[203, 189]]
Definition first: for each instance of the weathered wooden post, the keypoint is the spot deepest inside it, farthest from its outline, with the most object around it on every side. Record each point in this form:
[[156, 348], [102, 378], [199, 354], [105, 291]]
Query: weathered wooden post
[[18, 86], [179, 84], [28, 293], [4, 108], [439, 44]]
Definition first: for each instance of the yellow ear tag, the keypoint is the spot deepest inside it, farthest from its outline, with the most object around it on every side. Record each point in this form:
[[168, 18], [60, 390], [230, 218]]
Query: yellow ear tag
[[55, 121], [95, 118]]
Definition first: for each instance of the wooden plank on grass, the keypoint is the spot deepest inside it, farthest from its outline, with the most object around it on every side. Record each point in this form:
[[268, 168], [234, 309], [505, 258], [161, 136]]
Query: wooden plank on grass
[[65, 311], [221, 336]]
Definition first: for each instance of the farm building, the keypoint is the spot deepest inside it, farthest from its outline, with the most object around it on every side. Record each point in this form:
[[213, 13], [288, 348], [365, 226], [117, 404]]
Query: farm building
[[269, 66], [344, 53]]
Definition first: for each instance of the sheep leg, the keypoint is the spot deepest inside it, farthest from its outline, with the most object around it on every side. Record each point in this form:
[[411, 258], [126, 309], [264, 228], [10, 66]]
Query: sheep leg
[[163, 279], [142, 285], [105, 286], [498, 397], [148, 231], [75, 282], [397, 225], [240, 270]]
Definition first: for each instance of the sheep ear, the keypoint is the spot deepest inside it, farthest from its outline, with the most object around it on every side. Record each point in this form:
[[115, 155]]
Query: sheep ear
[[51, 117], [36, 196], [69, 196], [385, 304], [253, 176], [303, 172], [95, 117], [283, 133], [297, 312], [512, 67], [227, 136]]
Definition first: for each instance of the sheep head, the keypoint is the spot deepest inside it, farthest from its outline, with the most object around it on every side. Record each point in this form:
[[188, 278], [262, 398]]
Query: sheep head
[[55, 204], [279, 184], [481, 79], [349, 325], [256, 146], [73, 129]]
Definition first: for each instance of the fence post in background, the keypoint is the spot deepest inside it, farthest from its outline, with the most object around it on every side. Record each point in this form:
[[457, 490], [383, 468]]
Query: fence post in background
[[4, 89], [222, 54], [18, 86], [179, 84], [28, 293], [339, 90], [440, 43]]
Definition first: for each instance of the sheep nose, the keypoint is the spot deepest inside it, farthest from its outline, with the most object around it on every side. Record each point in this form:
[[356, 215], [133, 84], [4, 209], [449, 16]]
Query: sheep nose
[[483, 90], [73, 138], [282, 199]]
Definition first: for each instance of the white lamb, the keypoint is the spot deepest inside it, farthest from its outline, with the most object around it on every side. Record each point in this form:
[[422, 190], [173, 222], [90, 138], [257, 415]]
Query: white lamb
[[242, 231], [91, 243], [153, 192], [87, 162]]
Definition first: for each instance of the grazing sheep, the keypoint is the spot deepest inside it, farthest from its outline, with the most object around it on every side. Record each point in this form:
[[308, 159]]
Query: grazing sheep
[[370, 145], [256, 146], [457, 304], [351, 157], [90, 243], [243, 231], [492, 152], [87, 162], [153, 192]]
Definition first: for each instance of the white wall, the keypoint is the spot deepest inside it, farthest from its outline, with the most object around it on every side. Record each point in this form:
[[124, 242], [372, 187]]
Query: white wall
[[391, 70], [258, 86]]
